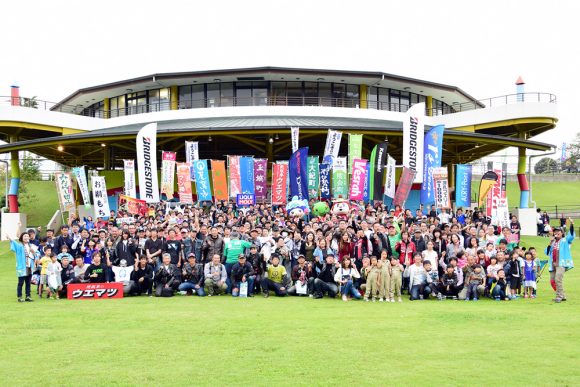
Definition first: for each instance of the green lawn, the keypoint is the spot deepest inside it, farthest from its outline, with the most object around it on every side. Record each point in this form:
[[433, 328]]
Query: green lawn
[[289, 341]]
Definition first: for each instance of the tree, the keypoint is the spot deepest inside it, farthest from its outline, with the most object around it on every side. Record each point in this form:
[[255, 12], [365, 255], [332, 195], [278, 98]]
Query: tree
[[572, 162], [546, 165]]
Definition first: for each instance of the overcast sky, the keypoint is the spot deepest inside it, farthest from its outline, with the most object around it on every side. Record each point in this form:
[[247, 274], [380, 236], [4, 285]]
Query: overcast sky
[[52, 48]]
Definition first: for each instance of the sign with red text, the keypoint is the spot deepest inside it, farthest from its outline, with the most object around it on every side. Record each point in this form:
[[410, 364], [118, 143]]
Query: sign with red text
[[90, 291]]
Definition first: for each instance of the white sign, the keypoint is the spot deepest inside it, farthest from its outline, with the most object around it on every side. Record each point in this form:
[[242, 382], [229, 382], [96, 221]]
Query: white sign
[[294, 136], [100, 199], [413, 139], [191, 151], [332, 145], [122, 273], [81, 179], [147, 163], [390, 180], [129, 169]]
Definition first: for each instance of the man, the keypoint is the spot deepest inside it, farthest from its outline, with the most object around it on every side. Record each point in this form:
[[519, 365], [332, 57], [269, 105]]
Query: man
[[276, 277], [212, 244], [232, 251], [419, 280], [468, 270], [123, 275], [242, 272], [325, 280], [96, 272], [167, 277], [215, 277], [173, 247], [142, 276], [560, 259], [67, 275], [154, 248], [63, 239], [302, 274], [192, 275], [419, 241]]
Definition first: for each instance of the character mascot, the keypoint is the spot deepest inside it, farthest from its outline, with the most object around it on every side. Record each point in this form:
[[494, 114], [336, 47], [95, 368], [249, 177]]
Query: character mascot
[[297, 208]]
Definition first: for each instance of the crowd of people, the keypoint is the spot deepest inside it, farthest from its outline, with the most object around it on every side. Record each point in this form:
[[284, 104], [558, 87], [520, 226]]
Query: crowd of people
[[373, 253]]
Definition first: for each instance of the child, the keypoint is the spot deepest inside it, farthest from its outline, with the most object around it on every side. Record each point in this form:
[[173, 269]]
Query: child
[[473, 281], [64, 254], [492, 270], [448, 286], [54, 279], [43, 262], [434, 275], [514, 274], [373, 280], [489, 250], [529, 276], [499, 290], [461, 259], [396, 280], [385, 288]]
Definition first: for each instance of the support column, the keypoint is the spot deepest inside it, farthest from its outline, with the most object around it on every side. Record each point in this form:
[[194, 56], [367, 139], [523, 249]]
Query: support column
[[451, 179], [106, 108], [429, 103], [363, 96], [522, 179], [174, 97], [14, 181]]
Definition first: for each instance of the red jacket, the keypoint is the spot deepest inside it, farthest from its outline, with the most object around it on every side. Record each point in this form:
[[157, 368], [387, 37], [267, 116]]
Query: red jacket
[[405, 250]]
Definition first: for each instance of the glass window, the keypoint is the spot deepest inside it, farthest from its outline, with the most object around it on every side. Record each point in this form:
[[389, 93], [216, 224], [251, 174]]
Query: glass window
[[278, 94], [260, 93], [213, 94], [352, 95], [164, 99], [395, 101], [372, 97], [404, 101], [244, 93], [414, 98], [227, 94], [311, 93], [325, 94], [185, 97], [121, 105], [154, 101], [294, 93], [198, 96], [384, 99]]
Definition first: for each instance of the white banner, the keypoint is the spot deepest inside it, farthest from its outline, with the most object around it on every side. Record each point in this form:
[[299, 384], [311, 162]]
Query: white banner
[[191, 151], [294, 131], [147, 163], [441, 187], [100, 199], [129, 170], [66, 196], [413, 139], [502, 218], [332, 145], [340, 164], [81, 179], [390, 180]]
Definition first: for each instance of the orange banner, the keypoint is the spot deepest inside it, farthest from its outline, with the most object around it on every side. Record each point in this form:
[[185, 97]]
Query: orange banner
[[218, 176], [184, 183]]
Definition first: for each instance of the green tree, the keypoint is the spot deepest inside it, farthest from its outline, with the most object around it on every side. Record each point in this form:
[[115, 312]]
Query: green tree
[[546, 165], [572, 162]]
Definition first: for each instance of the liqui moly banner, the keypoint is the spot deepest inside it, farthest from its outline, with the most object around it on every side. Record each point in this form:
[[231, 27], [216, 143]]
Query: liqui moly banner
[[441, 185], [377, 171], [168, 173], [279, 176], [260, 178], [298, 174], [404, 188], [463, 185], [147, 163], [129, 188], [81, 178], [191, 154], [357, 180], [324, 173], [390, 181], [235, 179], [432, 159], [312, 170], [332, 146], [219, 179], [413, 136], [495, 193], [100, 199], [247, 175], [184, 183], [294, 132], [66, 196], [354, 148], [202, 185], [339, 178]]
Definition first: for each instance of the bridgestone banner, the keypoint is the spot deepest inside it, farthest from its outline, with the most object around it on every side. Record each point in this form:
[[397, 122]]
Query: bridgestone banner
[[413, 139], [147, 163], [129, 172]]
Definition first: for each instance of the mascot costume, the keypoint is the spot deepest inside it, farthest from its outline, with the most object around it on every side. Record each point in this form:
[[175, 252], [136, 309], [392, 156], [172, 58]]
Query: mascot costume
[[320, 210], [341, 209], [297, 208]]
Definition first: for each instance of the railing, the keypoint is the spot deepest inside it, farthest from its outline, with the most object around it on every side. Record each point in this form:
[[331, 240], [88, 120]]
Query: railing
[[273, 101]]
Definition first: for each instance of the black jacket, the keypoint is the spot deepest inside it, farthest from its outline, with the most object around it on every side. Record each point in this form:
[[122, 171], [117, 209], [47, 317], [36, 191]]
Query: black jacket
[[193, 274], [167, 276], [238, 271], [258, 263], [147, 273], [99, 270], [326, 272]]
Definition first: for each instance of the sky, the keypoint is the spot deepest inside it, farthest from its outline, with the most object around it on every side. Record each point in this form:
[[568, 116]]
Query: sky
[[52, 48]]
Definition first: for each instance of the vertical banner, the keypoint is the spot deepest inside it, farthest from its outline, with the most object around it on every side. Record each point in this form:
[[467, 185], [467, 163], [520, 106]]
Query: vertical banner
[[563, 156], [219, 178], [191, 154], [357, 181], [405, 184], [147, 163], [413, 133], [81, 178], [168, 173], [203, 188], [279, 176], [332, 146], [260, 178], [66, 196], [494, 194], [354, 149], [441, 185], [463, 186], [390, 180], [312, 170], [488, 180], [235, 179], [298, 174], [503, 180], [247, 175], [294, 132], [324, 173], [339, 178], [100, 199], [377, 171], [367, 182], [129, 188], [184, 183], [433, 149]]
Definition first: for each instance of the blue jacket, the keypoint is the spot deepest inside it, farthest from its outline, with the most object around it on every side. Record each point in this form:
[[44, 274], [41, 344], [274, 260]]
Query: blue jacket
[[565, 256], [22, 261]]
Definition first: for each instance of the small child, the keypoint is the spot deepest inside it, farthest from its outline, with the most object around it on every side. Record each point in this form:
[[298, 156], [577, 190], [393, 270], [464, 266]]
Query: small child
[[434, 275], [492, 270], [529, 276], [461, 259], [499, 290], [396, 280], [64, 253], [43, 262], [385, 288], [54, 279], [489, 250], [373, 280], [473, 281]]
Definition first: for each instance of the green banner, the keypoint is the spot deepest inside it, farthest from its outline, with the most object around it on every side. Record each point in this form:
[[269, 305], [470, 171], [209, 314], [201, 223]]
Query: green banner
[[339, 178], [354, 149], [312, 171]]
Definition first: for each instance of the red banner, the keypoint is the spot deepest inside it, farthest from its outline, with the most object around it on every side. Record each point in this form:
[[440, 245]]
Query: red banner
[[184, 183], [279, 176], [404, 187], [90, 291], [133, 206]]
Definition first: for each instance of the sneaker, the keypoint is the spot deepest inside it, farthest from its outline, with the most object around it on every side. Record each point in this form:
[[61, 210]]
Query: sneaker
[[497, 298], [344, 298], [526, 296], [318, 296], [455, 298], [467, 299], [266, 294], [209, 295], [439, 296], [366, 299], [400, 300], [420, 296], [534, 296], [557, 300], [392, 300], [374, 299], [28, 299], [311, 295], [476, 299], [380, 300], [21, 300]]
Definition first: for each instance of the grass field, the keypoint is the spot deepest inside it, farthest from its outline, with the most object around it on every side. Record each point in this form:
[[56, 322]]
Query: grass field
[[289, 341]]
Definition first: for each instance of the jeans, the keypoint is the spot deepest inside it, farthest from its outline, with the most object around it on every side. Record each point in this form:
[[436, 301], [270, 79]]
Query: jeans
[[417, 290], [229, 273], [472, 291], [348, 289], [187, 286], [236, 290], [146, 286], [24, 280], [498, 292], [268, 284], [321, 287]]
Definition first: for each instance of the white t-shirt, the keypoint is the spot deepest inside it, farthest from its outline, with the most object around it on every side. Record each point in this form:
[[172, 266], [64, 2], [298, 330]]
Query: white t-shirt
[[122, 274]]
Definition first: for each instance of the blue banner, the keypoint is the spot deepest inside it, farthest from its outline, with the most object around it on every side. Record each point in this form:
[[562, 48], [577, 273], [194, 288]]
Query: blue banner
[[463, 186], [324, 176], [247, 174], [433, 153], [202, 185], [298, 174], [367, 184]]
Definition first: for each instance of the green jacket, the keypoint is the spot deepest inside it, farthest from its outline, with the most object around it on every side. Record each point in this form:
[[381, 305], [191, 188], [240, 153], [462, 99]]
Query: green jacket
[[234, 248]]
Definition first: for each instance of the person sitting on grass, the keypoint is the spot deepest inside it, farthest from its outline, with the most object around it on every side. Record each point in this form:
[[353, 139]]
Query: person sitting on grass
[[96, 272], [418, 278], [432, 287], [302, 278], [448, 286], [345, 276], [167, 277], [474, 281], [122, 275], [324, 283], [500, 288], [215, 277], [192, 276], [142, 277], [242, 272], [275, 279]]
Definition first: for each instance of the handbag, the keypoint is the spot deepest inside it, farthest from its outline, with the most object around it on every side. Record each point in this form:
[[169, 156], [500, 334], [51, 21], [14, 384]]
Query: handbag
[[52, 281], [301, 288], [244, 289]]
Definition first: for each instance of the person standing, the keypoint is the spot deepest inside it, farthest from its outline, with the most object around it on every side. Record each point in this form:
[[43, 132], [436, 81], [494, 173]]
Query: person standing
[[25, 263], [560, 259]]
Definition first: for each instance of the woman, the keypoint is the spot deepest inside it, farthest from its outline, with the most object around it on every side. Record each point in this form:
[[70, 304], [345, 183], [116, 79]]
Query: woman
[[322, 251], [25, 253], [431, 255], [406, 249], [454, 247], [345, 247], [309, 247], [439, 243], [473, 247], [345, 276]]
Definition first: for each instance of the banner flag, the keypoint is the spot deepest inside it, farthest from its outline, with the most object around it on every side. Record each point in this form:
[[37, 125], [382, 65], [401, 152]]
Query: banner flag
[[405, 184], [66, 196], [332, 146], [298, 175], [391, 178], [219, 178], [260, 178], [463, 173], [563, 156], [495, 194], [184, 183], [202, 185], [354, 149], [100, 199], [441, 184], [129, 174], [488, 179], [167, 173], [358, 178], [432, 159], [503, 215], [191, 154], [247, 175], [376, 174], [147, 163], [279, 176], [503, 180], [312, 170], [235, 178], [324, 172], [294, 132], [339, 178], [367, 183], [413, 136], [81, 178], [133, 206]]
